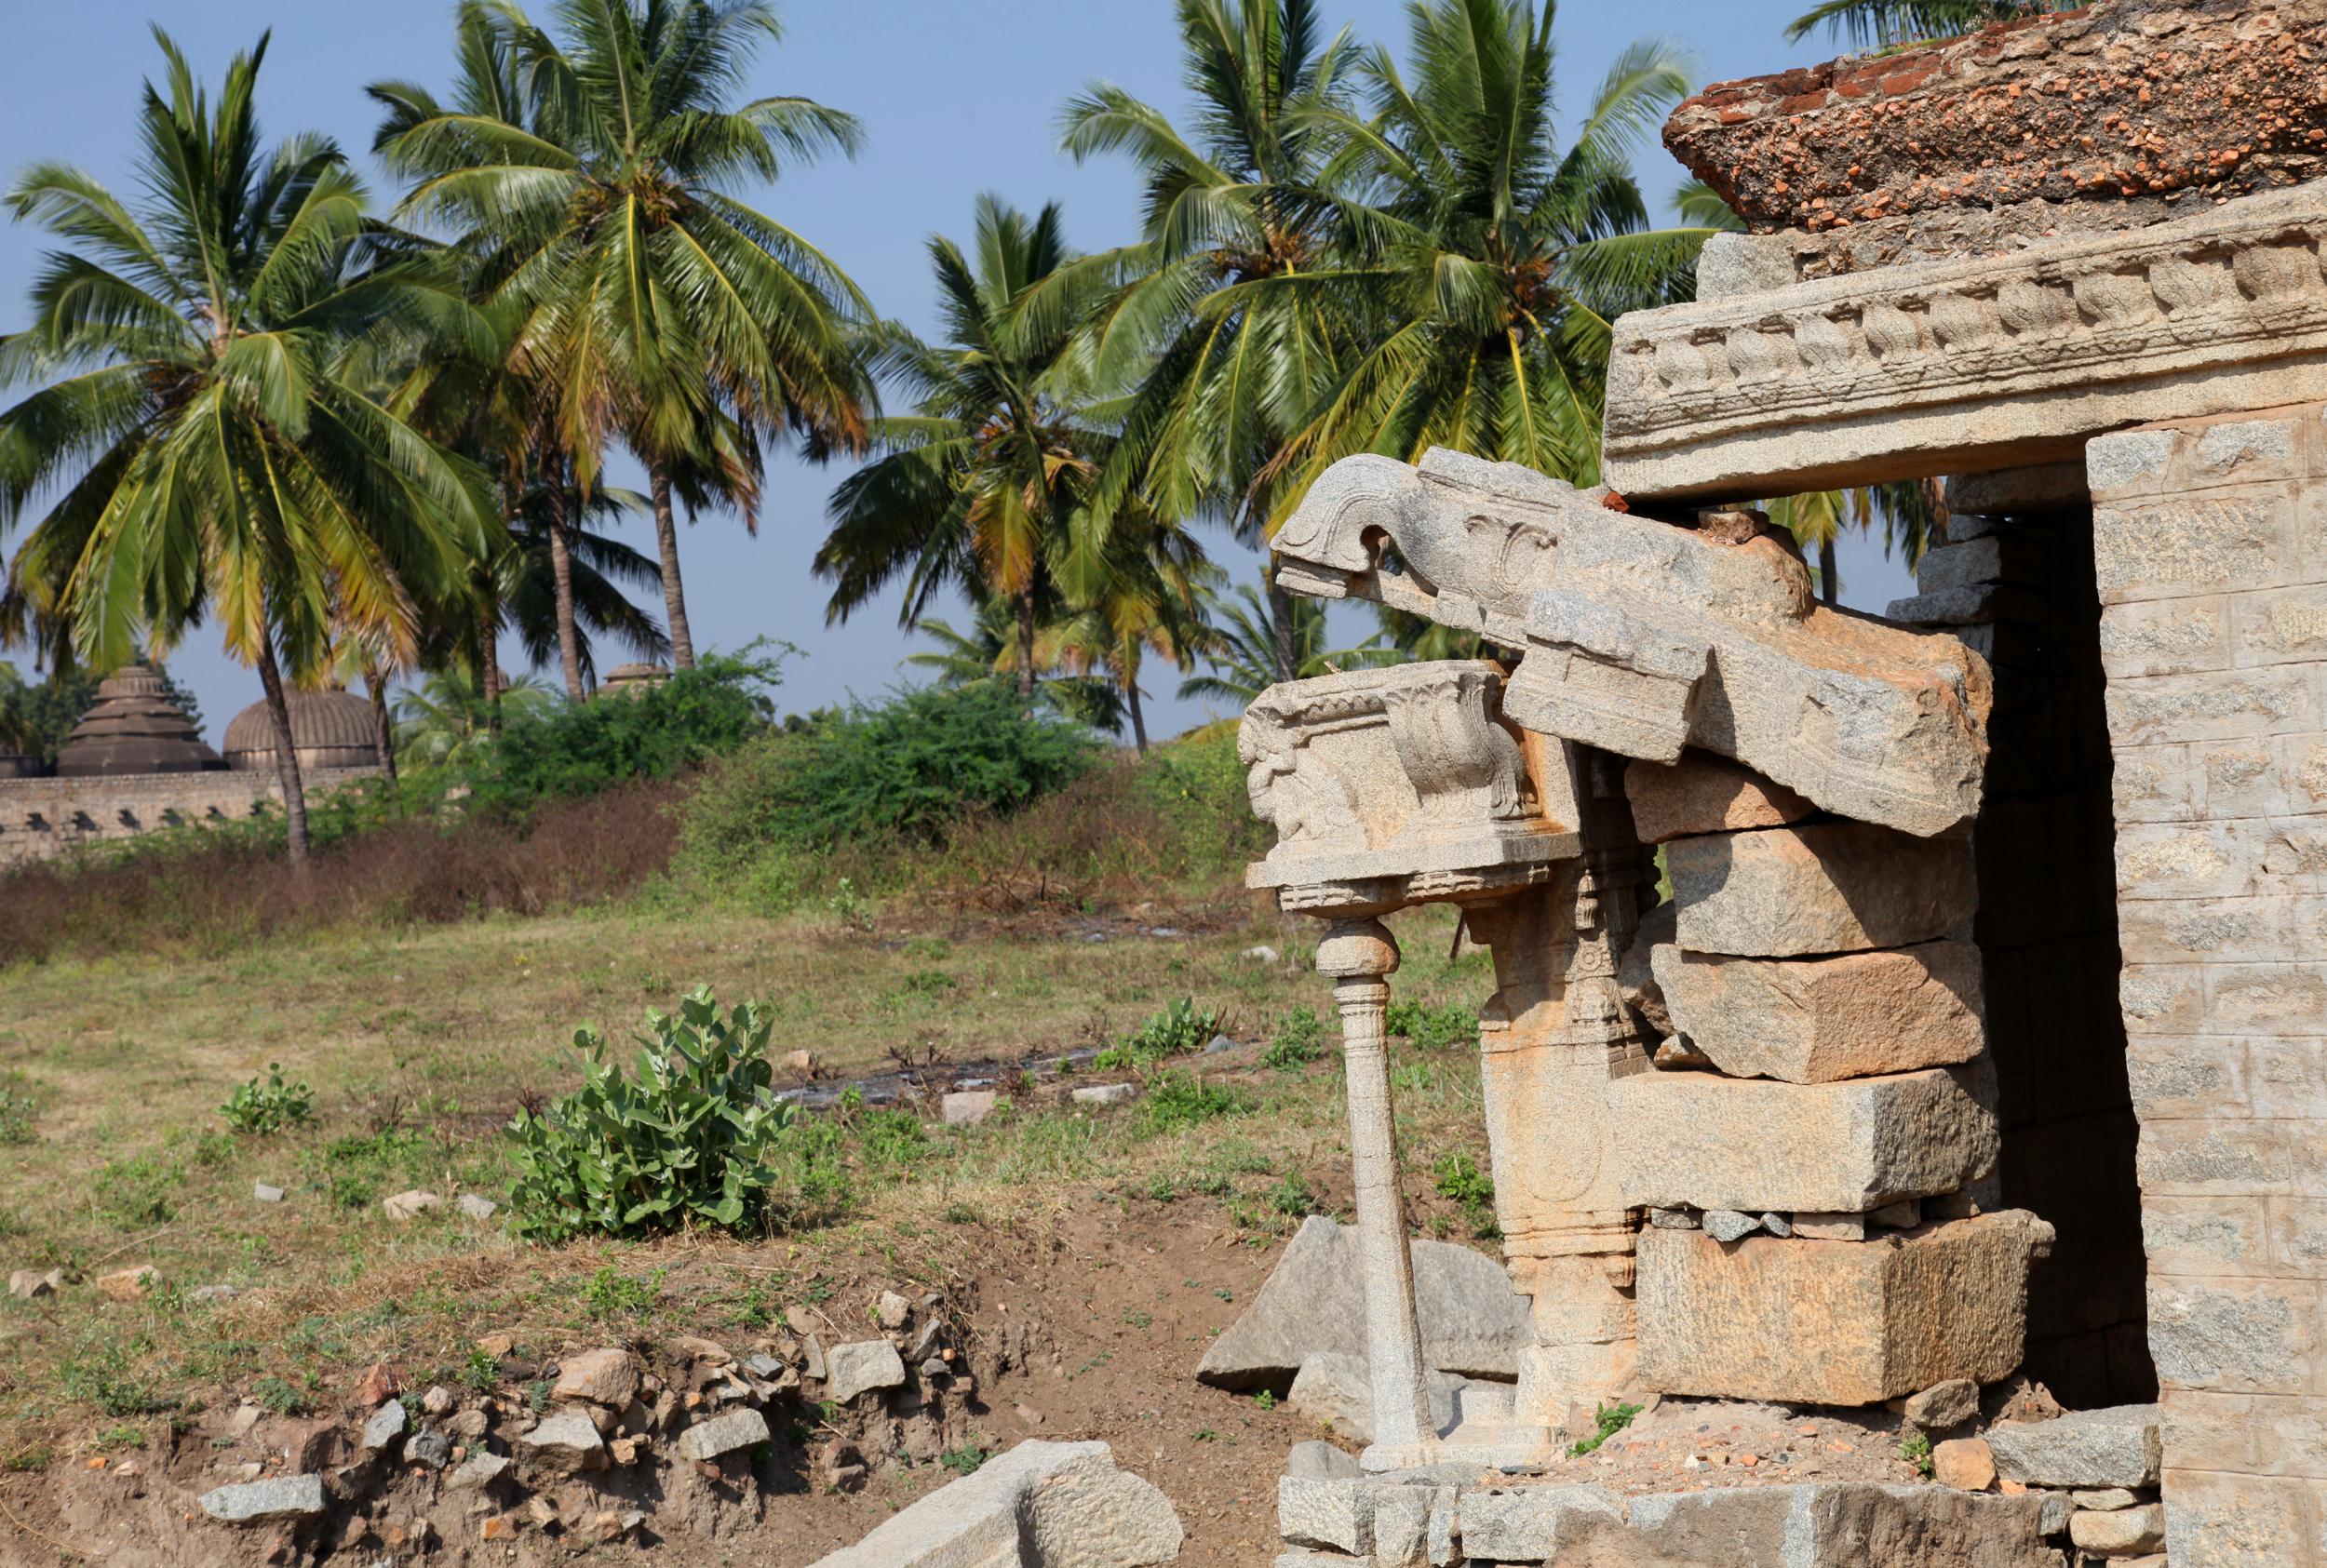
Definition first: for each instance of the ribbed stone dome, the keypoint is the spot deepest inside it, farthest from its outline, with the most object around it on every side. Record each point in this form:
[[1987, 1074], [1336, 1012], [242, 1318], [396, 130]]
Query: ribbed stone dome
[[329, 729], [134, 728]]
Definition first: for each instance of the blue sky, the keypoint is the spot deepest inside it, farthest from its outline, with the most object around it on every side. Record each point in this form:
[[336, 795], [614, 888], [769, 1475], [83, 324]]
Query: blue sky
[[957, 98]]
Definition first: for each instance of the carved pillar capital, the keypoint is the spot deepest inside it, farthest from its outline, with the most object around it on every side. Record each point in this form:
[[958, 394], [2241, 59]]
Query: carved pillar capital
[[1357, 949]]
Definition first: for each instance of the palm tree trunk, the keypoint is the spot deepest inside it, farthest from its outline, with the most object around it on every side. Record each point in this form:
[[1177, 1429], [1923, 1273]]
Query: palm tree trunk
[[682, 647], [1829, 577], [561, 575], [384, 736], [1138, 719], [1280, 622], [1026, 643], [285, 757], [489, 667]]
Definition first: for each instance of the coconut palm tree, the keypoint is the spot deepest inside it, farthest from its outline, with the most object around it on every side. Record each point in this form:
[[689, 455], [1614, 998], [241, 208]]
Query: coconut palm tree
[[590, 174], [1228, 377], [988, 650], [1482, 262], [1239, 643], [1885, 23], [980, 487], [442, 721], [206, 431], [1137, 587]]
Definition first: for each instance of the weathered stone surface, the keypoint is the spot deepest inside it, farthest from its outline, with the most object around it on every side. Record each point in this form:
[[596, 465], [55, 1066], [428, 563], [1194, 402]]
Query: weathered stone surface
[[30, 1284], [2123, 1533], [1474, 1323], [1945, 1404], [2014, 492], [266, 1502], [1041, 1504], [1835, 1322], [2118, 1446], [1704, 794], [1319, 1460], [565, 1439], [1964, 1464], [384, 1427], [1824, 1225], [1107, 1095], [1635, 973], [1644, 638], [723, 1434], [1337, 1515], [608, 1378], [1726, 1224], [850, 1370], [967, 1107], [1971, 362], [2105, 1499], [1707, 1142], [2094, 105], [1817, 1020], [130, 1284], [1731, 264], [477, 1206], [1783, 893], [1336, 1389], [1835, 1525], [407, 1206], [1537, 1523]]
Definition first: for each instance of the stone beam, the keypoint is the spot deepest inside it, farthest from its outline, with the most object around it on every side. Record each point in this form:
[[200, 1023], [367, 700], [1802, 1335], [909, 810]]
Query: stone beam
[[2102, 104], [1643, 636], [1957, 367]]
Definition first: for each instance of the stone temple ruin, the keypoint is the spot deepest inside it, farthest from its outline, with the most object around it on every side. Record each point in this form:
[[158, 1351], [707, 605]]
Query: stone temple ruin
[[1983, 1030]]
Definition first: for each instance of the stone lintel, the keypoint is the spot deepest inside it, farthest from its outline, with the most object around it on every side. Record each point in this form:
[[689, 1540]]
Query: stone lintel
[[1965, 366]]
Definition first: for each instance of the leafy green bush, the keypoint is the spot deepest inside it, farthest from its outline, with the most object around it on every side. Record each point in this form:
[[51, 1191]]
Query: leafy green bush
[[1179, 1030], [581, 749], [269, 1104], [1300, 1039], [1458, 1177], [688, 1139], [1433, 1029]]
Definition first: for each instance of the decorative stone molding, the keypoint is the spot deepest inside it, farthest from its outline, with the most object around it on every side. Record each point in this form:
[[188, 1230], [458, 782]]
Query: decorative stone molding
[[1962, 366], [1400, 785], [1641, 637]]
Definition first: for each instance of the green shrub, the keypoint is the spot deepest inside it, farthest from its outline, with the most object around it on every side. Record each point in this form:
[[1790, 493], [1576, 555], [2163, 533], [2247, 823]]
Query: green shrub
[[269, 1104], [1300, 1039], [581, 749], [1179, 1030], [1609, 1422], [687, 1140], [1180, 1099], [1433, 1029], [1458, 1177]]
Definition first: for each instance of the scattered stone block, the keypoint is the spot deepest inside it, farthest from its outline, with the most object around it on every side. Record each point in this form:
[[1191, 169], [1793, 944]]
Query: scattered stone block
[[1473, 1321], [130, 1284], [383, 1427], [1041, 1504], [1703, 793], [2106, 1499], [565, 1440], [477, 1470], [1752, 1144], [1820, 1020], [266, 1194], [1835, 1322], [723, 1434], [1319, 1460], [607, 1378], [407, 1206], [1842, 887], [850, 1370], [275, 1501], [2117, 1446], [2119, 1533], [477, 1206], [31, 1284], [1945, 1404], [1107, 1095], [967, 1107], [431, 1449], [1906, 1214], [1964, 1464], [892, 1311]]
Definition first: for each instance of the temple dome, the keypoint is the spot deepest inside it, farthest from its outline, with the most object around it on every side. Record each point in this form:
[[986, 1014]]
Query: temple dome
[[631, 679], [329, 729], [134, 728]]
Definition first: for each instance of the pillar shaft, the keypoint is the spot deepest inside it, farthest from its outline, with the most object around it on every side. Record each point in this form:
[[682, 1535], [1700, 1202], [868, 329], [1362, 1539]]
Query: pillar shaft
[[1393, 1334]]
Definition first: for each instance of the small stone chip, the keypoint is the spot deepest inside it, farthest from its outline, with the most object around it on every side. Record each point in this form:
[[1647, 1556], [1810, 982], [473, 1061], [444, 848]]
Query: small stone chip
[[1727, 1225]]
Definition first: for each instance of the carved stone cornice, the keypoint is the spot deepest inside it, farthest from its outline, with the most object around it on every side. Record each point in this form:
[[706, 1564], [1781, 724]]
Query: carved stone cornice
[[1960, 366], [1402, 786]]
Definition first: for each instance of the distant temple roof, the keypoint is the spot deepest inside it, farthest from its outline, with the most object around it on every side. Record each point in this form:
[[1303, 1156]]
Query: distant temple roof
[[329, 729], [134, 728]]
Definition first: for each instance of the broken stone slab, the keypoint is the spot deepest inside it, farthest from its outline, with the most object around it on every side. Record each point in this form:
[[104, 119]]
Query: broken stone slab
[[1337, 1515], [1786, 892], [1643, 636], [406, 1206], [1945, 1404], [1474, 1323], [1041, 1504], [1818, 1020], [1835, 1322], [31, 1284], [723, 1434], [607, 1378], [1318, 1460], [2116, 1446], [384, 1427], [477, 1470], [860, 1368], [1107, 1095], [967, 1107], [2120, 1532], [478, 1207], [266, 1502], [1706, 794], [1338, 1389], [1705, 1142], [565, 1440]]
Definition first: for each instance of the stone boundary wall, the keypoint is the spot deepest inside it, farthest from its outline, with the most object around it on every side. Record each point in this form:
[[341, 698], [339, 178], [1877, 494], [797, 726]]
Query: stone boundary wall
[[42, 818], [2211, 552]]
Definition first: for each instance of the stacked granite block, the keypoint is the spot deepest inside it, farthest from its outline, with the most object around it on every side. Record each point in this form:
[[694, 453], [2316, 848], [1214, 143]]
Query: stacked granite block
[[1818, 1149]]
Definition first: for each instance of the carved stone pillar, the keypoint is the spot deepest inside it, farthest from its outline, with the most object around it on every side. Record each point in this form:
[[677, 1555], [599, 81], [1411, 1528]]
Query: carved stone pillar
[[1359, 955]]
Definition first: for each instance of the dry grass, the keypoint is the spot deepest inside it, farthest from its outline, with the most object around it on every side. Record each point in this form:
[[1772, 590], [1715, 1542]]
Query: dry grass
[[419, 1043]]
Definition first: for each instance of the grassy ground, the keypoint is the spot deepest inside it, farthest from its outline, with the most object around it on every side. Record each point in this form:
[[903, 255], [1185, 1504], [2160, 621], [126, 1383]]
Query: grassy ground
[[420, 1046]]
